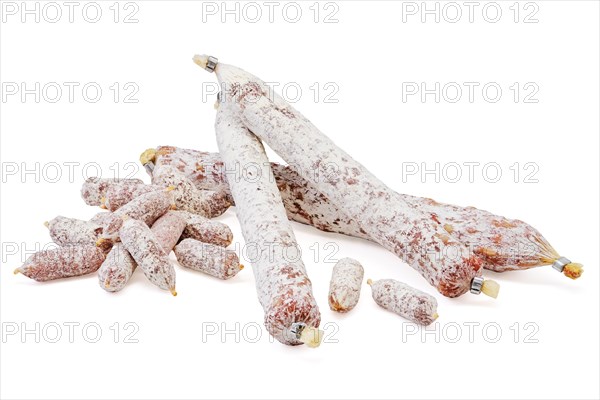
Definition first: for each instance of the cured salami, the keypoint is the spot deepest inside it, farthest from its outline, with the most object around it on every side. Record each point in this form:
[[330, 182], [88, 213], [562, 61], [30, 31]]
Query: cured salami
[[416, 237], [208, 258], [94, 188], [119, 194], [205, 170], [206, 230], [503, 244], [284, 289], [65, 231], [344, 288], [118, 267], [116, 270], [62, 262], [187, 197], [168, 230], [101, 218], [404, 300], [147, 208], [148, 253]]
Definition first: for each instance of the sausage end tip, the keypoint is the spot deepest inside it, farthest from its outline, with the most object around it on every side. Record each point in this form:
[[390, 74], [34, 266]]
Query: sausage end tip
[[573, 270], [149, 155], [200, 60], [311, 336], [490, 288]]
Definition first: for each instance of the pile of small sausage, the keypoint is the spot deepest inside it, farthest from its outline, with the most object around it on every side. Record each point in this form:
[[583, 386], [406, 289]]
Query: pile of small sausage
[[448, 245], [116, 242]]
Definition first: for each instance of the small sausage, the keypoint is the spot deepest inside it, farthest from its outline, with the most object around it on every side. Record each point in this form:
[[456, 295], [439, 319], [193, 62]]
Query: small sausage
[[147, 208], [147, 252], [206, 230], [116, 270], [62, 262], [118, 195], [404, 300], [344, 288], [118, 267], [65, 231], [168, 230], [204, 170], [101, 218], [208, 258], [207, 203], [94, 188]]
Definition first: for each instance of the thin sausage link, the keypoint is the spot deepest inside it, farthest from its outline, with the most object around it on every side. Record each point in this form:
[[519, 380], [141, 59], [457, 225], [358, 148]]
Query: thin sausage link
[[148, 253], [116, 270], [94, 188], [147, 208], [65, 231], [208, 258], [63, 262], [404, 300], [119, 194], [206, 230]]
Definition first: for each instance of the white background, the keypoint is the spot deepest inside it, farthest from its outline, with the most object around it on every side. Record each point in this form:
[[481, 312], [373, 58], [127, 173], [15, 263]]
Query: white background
[[369, 53]]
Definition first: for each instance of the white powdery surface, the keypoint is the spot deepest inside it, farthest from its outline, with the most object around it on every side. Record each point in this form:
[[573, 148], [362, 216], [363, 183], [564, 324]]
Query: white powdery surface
[[101, 218], [206, 230], [345, 285], [404, 300], [283, 287], [119, 265], [208, 258], [382, 213], [119, 194], [147, 208], [94, 189], [503, 244], [63, 262], [147, 252], [187, 197], [168, 229], [116, 270], [205, 170], [65, 231]]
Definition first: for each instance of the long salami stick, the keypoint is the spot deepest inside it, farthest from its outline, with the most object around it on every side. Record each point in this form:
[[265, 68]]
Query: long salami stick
[[388, 219], [503, 244], [284, 290]]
